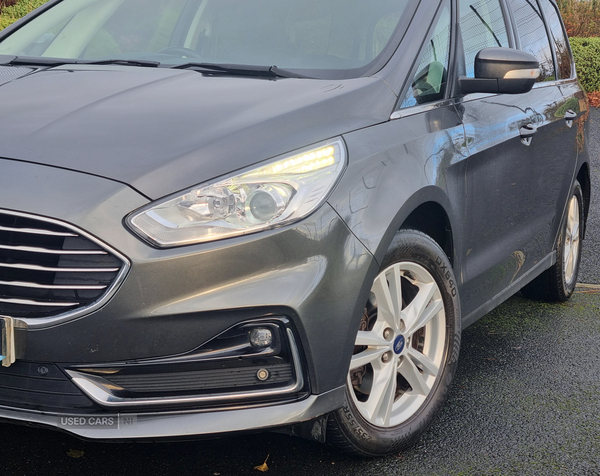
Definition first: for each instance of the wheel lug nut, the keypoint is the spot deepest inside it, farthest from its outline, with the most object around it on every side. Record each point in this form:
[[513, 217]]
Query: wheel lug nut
[[388, 334], [386, 357]]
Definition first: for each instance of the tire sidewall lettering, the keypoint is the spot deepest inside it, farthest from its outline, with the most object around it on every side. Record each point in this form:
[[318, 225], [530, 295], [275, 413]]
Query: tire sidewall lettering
[[447, 274]]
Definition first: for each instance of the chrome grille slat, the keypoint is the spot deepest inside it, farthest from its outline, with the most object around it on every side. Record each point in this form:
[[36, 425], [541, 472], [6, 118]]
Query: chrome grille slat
[[33, 249], [33, 267], [79, 287], [35, 231], [50, 270], [27, 302]]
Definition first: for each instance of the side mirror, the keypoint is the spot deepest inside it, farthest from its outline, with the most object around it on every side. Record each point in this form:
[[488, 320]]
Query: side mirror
[[502, 70]]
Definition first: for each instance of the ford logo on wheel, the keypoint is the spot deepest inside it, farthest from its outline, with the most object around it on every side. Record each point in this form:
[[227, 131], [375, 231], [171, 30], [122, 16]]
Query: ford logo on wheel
[[399, 344]]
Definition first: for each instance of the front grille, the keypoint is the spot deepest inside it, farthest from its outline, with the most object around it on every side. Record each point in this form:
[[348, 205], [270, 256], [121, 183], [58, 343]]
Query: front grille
[[47, 269]]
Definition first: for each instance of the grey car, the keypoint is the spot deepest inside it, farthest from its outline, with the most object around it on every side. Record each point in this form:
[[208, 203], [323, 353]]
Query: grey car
[[227, 215]]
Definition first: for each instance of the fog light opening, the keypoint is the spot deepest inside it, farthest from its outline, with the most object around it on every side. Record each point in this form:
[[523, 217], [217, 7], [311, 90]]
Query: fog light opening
[[260, 337], [248, 361]]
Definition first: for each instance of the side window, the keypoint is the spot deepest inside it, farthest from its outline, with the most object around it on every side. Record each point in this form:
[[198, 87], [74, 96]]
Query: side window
[[482, 26], [534, 38], [429, 82], [563, 57]]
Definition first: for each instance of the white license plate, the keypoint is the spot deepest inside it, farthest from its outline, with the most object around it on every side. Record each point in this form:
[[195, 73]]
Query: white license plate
[[7, 341], [13, 339]]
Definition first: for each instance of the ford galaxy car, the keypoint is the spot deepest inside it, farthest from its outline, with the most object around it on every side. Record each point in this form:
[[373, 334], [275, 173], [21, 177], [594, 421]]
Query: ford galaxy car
[[229, 215]]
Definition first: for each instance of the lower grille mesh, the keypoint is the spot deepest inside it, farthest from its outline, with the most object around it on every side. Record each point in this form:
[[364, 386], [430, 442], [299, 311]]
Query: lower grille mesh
[[41, 387], [222, 379], [47, 269]]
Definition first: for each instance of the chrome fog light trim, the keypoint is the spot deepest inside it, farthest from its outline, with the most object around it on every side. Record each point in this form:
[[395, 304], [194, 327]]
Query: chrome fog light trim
[[99, 389]]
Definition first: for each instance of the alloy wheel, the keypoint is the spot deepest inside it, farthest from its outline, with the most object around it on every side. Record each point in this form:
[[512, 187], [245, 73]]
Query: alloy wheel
[[572, 240], [400, 347]]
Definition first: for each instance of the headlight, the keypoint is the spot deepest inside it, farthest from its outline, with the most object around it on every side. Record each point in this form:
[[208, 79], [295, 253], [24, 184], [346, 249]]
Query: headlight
[[274, 194]]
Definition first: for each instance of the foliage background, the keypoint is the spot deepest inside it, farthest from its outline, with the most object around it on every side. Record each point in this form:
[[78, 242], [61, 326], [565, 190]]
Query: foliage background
[[581, 17], [12, 10], [587, 57]]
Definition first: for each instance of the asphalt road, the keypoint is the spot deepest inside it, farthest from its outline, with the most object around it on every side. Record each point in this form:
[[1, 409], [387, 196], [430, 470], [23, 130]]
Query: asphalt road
[[525, 401]]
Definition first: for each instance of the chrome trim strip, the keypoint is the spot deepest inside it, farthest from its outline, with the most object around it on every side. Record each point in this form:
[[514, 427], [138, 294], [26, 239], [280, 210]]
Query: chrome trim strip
[[420, 108], [43, 322], [27, 302], [411, 111], [97, 389], [33, 249], [23, 284], [203, 421], [34, 267], [34, 231]]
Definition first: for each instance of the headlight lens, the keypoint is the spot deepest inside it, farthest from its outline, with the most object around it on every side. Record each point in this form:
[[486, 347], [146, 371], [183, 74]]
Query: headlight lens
[[280, 192]]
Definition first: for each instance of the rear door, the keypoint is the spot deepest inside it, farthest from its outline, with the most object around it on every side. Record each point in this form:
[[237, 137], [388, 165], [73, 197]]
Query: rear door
[[574, 107]]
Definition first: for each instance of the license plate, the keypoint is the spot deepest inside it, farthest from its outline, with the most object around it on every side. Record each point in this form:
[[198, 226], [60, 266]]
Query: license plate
[[13, 340], [7, 341]]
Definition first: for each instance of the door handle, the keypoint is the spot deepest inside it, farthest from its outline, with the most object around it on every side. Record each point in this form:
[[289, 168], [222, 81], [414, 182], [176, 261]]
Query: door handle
[[570, 115], [527, 132]]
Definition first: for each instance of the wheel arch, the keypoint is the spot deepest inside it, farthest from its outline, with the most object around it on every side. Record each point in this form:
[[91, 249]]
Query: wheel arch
[[583, 177], [427, 211], [431, 218]]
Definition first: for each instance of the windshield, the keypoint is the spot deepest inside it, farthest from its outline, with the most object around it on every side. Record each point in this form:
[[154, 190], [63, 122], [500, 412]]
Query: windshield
[[308, 35]]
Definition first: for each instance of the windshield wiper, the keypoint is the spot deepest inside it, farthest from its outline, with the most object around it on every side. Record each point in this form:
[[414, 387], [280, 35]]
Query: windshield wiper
[[240, 70], [270, 72], [33, 61], [42, 61], [124, 62]]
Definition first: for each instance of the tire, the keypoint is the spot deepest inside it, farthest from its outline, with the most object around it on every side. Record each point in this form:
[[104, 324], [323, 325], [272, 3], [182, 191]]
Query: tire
[[557, 283], [403, 362]]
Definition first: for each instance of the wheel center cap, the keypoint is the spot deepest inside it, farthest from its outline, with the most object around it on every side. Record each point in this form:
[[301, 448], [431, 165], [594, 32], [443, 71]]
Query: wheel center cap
[[399, 344]]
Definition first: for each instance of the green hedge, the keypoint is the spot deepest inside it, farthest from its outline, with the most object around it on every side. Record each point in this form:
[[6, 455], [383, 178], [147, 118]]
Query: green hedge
[[587, 59], [12, 14]]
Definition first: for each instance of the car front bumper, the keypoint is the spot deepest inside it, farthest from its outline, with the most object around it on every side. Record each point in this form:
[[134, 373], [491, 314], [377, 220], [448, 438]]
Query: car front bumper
[[174, 424], [313, 274]]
